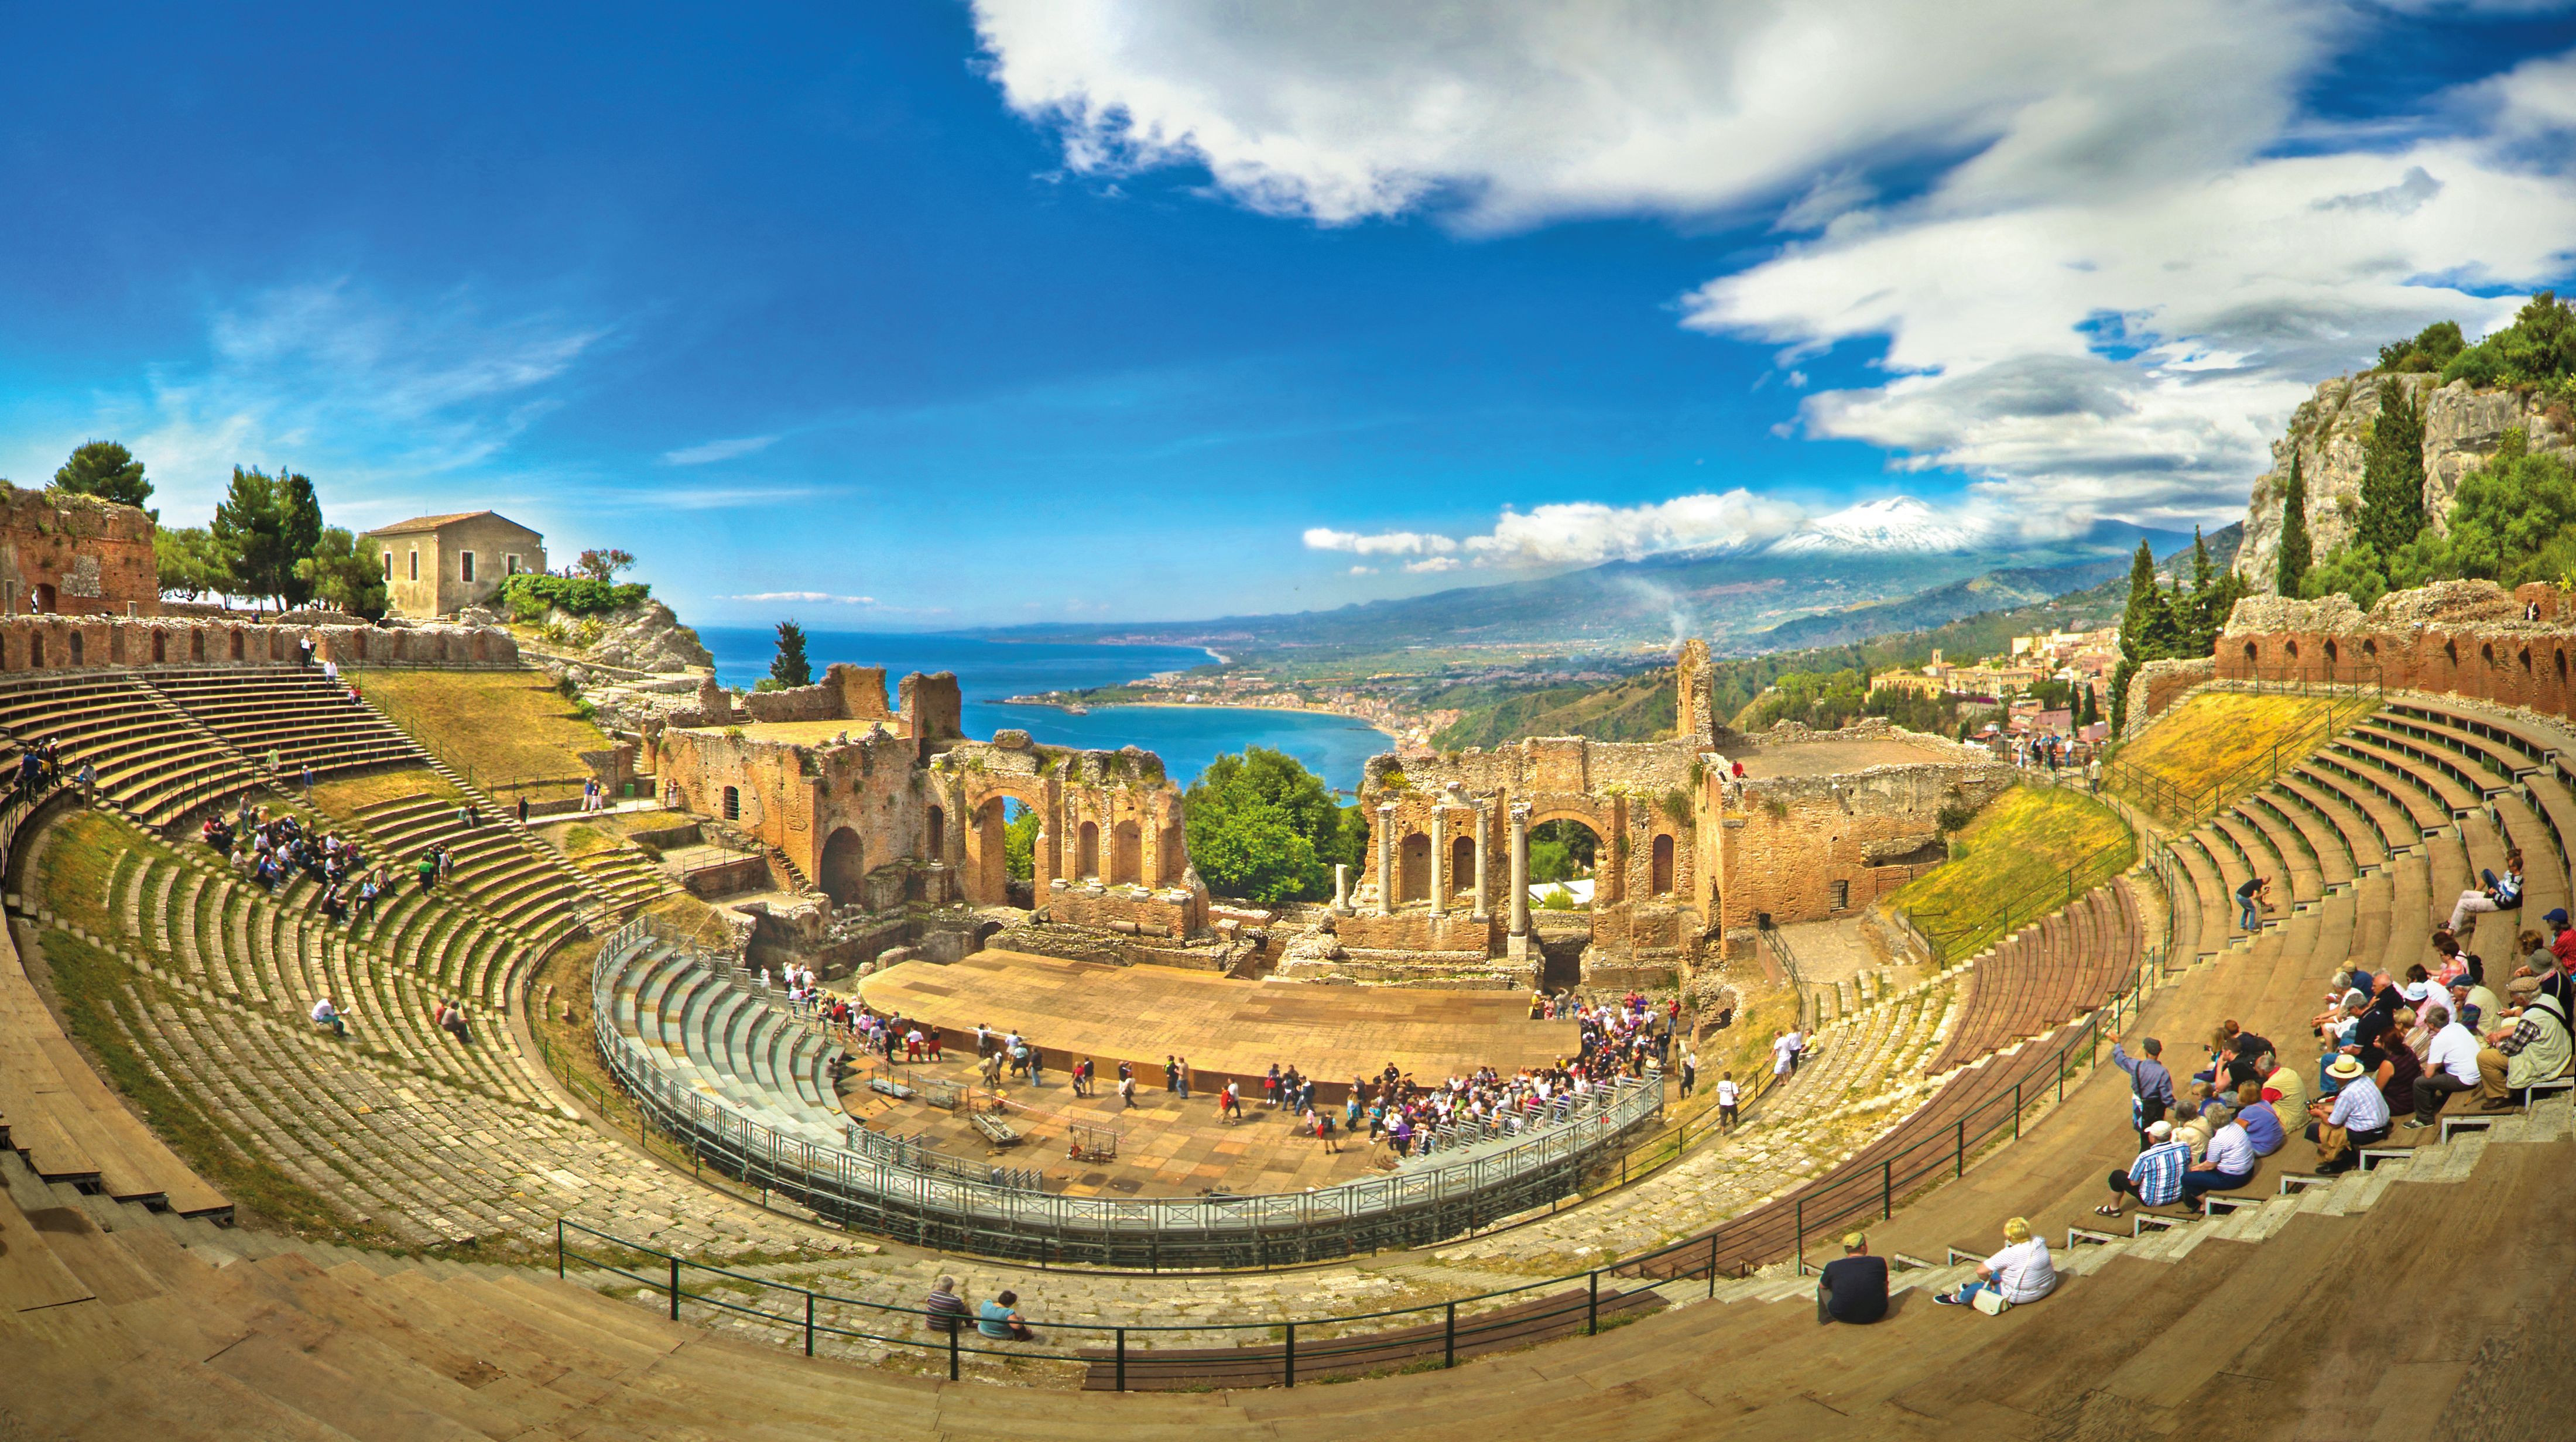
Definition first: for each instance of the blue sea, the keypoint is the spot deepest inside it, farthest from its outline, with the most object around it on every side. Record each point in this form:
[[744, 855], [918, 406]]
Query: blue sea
[[1186, 737]]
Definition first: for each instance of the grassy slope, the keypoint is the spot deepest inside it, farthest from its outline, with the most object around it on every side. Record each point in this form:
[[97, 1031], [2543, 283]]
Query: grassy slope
[[2208, 738], [2011, 864], [100, 996], [1640, 708], [504, 727]]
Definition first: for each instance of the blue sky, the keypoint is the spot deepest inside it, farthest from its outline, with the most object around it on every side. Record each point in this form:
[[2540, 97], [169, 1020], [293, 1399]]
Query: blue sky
[[928, 314]]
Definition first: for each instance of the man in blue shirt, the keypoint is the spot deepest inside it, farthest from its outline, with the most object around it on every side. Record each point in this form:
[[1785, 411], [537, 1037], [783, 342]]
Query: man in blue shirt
[[2151, 1084], [2155, 1178]]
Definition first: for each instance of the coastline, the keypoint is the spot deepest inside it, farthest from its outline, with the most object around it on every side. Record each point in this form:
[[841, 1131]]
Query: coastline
[[1097, 707]]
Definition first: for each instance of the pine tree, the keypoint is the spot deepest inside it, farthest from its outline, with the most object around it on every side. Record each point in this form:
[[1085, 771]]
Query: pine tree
[[107, 470], [2392, 474], [2144, 601], [246, 535], [2296, 553], [299, 535], [791, 668]]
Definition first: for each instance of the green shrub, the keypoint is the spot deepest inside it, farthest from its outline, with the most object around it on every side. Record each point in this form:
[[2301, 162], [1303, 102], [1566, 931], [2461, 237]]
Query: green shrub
[[530, 596]]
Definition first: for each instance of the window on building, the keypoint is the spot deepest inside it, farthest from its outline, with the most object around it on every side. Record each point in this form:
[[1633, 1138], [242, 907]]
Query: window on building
[[415, 563], [1838, 895], [388, 558], [465, 567], [510, 564], [732, 804]]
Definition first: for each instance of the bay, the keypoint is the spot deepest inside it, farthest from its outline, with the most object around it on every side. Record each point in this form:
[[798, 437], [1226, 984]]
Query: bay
[[1187, 738]]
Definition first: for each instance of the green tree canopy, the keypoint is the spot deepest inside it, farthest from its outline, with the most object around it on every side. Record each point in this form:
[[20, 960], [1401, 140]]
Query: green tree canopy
[[603, 566], [190, 563], [1020, 846], [2429, 349], [2392, 473], [346, 573], [1264, 828], [299, 536], [789, 667], [2296, 550], [2537, 350], [107, 470], [247, 534]]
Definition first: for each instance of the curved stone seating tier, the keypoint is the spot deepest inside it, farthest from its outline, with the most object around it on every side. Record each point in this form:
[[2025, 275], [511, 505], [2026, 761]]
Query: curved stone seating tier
[[527, 886], [296, 713], [153, 761], [711, 1031], [2067, 964], [431, 1139]]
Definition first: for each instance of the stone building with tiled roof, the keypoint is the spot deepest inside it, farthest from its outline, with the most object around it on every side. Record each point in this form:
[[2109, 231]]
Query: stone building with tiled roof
[[437, 565]]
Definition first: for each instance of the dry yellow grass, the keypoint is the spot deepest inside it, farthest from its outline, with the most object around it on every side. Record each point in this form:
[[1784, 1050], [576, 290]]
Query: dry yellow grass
[[2170, 769], [2013, 863], [507, 730], [344, 795]]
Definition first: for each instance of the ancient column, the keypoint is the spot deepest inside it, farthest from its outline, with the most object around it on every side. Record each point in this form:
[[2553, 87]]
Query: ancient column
[[1386, 859], [1341, 888], [1484, 823], [1520, 869], [1439, 859]]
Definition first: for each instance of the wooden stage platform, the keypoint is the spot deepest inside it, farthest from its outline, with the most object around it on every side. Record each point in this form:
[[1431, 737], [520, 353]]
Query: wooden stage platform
[[1227, 1028]]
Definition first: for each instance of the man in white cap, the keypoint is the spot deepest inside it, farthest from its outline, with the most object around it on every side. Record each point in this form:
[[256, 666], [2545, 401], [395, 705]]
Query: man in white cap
[[2155, 1178]]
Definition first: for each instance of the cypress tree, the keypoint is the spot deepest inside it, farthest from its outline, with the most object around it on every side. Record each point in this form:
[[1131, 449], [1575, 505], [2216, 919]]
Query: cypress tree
[[2296, 553], [2392, 474], [790, 668]]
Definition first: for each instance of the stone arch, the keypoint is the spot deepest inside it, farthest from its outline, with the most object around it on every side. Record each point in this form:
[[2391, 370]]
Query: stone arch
[[2486, 653], [2370, 650], [843, 869], [1661, 881], [2291, 647], [1127, 852], [1462, 864], [2333, 652], [1605, 859], [2451, 652], [1174, 856], [36, 650], [2562, 666], [74, 646], [237, 643], [196, 644], [160, 648], [1413, 868], [44, 598], [937, 837], [2253, 655], [1086, 851]]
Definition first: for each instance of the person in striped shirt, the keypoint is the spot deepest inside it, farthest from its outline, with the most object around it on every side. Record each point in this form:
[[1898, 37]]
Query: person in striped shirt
[[2500, 893], [2155, 1178]]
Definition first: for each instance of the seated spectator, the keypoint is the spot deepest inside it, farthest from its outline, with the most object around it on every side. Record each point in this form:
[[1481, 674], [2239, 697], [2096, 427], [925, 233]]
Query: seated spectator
[[2532, 1047], [2196, 1125], [325, 1014], [2231, 1159], [2539, 971], [2499, 893], [2473, 1004], [2450, 1065], [2262, 1124], [2021, 1272], [943, 1308], [2285, 1089], [999, 1318], [2155, 1178], [2357, 1116], [1854, 1288]]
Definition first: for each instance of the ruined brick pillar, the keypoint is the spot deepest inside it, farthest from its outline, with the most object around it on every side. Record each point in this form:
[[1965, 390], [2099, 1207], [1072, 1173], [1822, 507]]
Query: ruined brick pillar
[[1439, 859], [1386, 859], [1520, 872], [1484, 823]]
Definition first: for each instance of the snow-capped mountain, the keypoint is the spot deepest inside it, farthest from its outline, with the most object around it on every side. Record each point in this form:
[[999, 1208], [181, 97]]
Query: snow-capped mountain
[[1898, 524]]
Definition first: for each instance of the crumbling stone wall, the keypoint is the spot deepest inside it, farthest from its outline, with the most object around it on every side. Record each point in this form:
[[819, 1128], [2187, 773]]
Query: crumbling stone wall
[[846, 693], [1805, 848], [54, 642], [2157, 685], [75, 556], [2468, 638]]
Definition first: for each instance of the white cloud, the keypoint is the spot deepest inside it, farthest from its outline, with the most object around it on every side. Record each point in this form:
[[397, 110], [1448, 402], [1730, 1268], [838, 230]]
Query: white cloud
[[2119, 255], [1363, 570], [384, 405], [702, 454], [1384, 543], [802, 598], [1586, 532], [1432, 566], [1516, 111]]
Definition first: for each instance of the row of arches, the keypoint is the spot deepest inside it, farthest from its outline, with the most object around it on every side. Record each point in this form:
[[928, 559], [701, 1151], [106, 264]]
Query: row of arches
[[1562, 848]]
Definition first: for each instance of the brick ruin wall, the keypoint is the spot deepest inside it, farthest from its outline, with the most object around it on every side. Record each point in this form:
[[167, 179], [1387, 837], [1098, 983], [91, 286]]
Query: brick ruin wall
[[50, 643], [1794, 846], [2466, 638], [76, 555]]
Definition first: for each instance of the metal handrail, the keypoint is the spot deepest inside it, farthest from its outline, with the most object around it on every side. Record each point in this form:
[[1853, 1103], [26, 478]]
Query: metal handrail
[[2184, 806]]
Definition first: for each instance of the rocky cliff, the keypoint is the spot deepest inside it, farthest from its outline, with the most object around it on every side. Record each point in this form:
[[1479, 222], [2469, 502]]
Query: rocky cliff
[[2331, 430]]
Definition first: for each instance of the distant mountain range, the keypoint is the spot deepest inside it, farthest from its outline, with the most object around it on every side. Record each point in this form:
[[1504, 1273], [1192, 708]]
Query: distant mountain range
[[1883, 566]]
